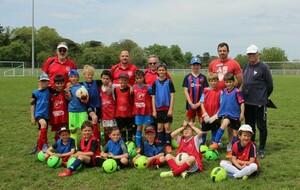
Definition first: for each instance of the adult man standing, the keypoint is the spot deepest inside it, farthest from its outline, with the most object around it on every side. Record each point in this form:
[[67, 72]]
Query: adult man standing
[[123, 66], [222, 66], [60, 64], [257, 87]]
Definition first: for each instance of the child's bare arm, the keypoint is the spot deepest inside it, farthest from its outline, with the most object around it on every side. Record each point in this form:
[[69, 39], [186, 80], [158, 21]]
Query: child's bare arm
[[242, 112], [198, 131], [154, 114], [170, 112], [33, 122]]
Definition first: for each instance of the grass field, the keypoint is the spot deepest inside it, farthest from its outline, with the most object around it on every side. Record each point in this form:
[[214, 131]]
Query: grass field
[[18, 170]]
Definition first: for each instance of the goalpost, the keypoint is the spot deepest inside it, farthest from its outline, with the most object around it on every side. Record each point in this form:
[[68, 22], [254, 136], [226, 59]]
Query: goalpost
[[12, 68]]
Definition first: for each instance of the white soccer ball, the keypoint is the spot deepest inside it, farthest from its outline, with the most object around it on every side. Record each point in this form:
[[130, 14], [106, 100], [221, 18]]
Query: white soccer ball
[[82, 94], [181, 158]]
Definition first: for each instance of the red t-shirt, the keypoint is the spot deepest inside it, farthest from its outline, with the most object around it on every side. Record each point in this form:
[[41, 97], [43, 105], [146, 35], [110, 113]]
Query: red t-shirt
[[117, 69], [124, 102], [211, 100], [142, 101], [151, 77], [108, 104], [53, 67], [58, 110], [229, 66]]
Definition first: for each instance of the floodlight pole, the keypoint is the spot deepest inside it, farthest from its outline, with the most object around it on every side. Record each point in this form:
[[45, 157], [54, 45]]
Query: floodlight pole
[[32, 43]]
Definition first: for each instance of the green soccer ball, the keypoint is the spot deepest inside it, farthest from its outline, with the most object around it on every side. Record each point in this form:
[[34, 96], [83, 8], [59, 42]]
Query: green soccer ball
[[54, 162], [102, 138], [41, 156], [174, 144], [203, 149], [109, 166], [130, 144], [141, 162], [218, 174], [70, 162], [131, 151], [211, 154]]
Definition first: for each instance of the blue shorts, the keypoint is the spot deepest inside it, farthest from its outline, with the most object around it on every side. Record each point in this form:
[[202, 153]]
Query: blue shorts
[[143, 119]]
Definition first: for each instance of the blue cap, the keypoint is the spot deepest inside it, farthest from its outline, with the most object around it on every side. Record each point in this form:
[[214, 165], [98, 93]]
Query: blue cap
[[44, 77], [195, 60], [73, 72]]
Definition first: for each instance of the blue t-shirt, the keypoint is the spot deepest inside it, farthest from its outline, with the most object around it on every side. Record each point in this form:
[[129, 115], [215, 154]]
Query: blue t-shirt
[[75, 105], [116, 148], [94, 95], [61, 148], [42, 103], [152, 150]]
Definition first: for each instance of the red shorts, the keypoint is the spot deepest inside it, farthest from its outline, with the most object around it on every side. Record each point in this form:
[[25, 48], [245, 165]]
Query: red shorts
[[191, 114]]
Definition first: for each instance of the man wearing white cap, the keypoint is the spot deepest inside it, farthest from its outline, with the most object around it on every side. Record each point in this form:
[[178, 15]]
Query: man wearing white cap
[[60, 64], [257, 87]]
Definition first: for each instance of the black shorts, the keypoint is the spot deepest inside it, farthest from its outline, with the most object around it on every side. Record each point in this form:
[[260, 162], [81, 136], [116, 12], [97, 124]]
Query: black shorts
[[96, 110], [162, 117], [39, 118], [210, 126], [125, 122], [99, 161], [234, 124]]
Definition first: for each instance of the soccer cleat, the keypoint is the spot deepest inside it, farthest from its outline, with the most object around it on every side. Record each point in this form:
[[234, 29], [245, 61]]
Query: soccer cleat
[[166, 174], [245, 177], [168, 149], [230, 175], [214, 146], [155, 167], [229, 154], [34, 150], [261, 153], [184, 174], [229, 147], [65, 172], [45, 147], [220, 144]]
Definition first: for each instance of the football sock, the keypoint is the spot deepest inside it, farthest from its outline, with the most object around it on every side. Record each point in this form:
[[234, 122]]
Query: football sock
[[96, 131], [138, 138], [43, 135], [75, 137], [75, 165], [172, 164], [160, 136], [234, 139], [181, 169], [213, 135], [219, 135], [168, 139], [203, 139]]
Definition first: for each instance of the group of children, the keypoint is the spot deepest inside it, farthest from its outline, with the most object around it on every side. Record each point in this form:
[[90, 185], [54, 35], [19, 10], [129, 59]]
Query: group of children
[[69, 107]]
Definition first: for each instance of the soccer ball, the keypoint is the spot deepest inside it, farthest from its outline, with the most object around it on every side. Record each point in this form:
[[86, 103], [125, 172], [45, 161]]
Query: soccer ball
[[71, 161], [82, 94], [181, 158], [174, 144], [102, 138], [54, 162], [141, 162], [203, 149], [218, 174], [41, 156], [211, 154], [130, 144], [131, 151], [109, 166]]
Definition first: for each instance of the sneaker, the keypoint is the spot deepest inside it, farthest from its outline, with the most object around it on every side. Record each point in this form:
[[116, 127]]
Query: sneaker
[[230, 175], [184, 174], [168, 149], [229, 155], [245, 177], [155, 167], [45, 147], [33, 151], [220, 144], [65, 173], [166, 174], [214, 146], [261, 153], [229, 147]]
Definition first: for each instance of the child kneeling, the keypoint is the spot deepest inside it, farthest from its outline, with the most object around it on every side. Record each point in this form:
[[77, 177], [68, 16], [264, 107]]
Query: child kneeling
[[188, 144]]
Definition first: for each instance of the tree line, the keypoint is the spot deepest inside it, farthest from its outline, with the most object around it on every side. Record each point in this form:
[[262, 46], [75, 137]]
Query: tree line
[[15, 45]]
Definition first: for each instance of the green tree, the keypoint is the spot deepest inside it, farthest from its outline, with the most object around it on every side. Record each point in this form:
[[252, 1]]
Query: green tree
[[15, 51], [163, 52], [138, 57], [187, 57], [5, 34], [24, 34], [273, 54], [241, 59]]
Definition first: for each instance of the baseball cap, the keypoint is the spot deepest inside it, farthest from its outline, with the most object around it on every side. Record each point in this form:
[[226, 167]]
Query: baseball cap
[[73, 72], [195, 60], [252, 49], [246, 127], [123, 75], [150, 128], [62, 45], [63, 129], [43, 77]]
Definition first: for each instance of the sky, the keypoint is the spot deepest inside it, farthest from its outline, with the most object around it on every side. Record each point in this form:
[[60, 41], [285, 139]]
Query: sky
[[195, 25]]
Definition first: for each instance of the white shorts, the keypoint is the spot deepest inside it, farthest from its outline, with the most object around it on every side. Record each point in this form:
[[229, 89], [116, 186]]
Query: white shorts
[[109, 123]]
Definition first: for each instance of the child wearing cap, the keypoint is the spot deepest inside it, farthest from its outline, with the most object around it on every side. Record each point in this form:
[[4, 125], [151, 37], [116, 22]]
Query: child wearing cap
[[152, 148], [163, 105], [243, 162], [210, 105], [124, 103], [63, 148], [193, 85], [39, 112], [88, 150], [188, 144], [142, 106], [76, 108], [94, 103], [58, 106]]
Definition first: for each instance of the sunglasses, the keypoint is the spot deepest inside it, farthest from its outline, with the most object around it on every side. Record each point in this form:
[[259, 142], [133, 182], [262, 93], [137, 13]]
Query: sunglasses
[[154, 63], [62, 50]]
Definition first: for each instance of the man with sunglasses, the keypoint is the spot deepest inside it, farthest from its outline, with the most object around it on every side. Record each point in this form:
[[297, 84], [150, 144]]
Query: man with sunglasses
[[60, 64], [151, 72]]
